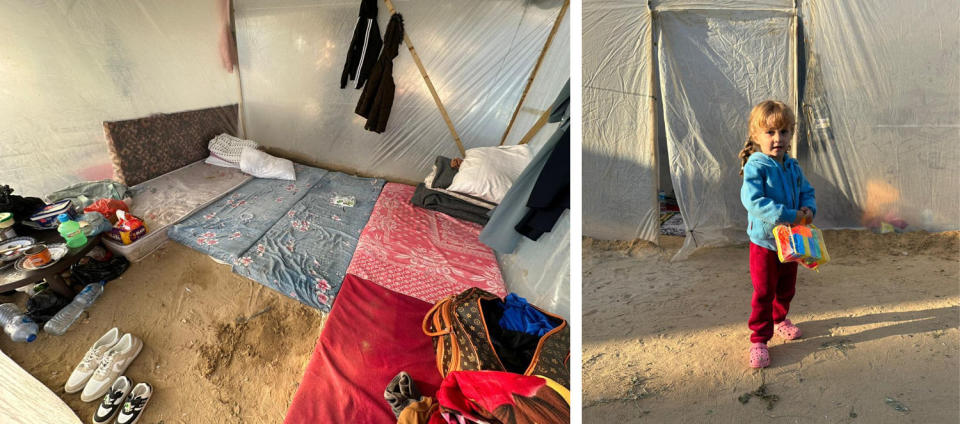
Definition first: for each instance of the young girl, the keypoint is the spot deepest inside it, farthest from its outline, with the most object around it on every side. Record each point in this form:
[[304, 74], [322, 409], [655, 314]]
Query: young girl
[[774, 192]]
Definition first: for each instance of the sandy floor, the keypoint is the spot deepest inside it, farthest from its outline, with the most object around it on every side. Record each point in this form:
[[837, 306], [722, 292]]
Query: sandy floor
[[667, 342], [207, 364]]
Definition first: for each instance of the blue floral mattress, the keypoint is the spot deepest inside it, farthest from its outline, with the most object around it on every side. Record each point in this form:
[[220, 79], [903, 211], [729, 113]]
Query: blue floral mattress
[[296, 237], [306, 253], [228, 227]]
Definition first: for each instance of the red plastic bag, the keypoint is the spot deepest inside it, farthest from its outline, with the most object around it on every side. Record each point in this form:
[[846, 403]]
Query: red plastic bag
[[108, 208]]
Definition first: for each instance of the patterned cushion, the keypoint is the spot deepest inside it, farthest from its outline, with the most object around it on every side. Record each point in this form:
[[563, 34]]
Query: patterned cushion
[[148, 147]]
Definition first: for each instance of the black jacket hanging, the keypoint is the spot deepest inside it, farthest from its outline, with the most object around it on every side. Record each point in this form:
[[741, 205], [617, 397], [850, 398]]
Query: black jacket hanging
[[377, 97], [364, 47]]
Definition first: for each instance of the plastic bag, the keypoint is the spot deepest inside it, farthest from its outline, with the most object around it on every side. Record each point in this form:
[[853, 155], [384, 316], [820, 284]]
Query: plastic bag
[[108, 208], [802, 244], [93, 223], [88, 270], [128, 228]]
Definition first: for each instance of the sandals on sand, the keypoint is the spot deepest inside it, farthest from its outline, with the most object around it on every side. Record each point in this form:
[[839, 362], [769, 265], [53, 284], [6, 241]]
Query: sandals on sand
[[759, 355], [787, 330]]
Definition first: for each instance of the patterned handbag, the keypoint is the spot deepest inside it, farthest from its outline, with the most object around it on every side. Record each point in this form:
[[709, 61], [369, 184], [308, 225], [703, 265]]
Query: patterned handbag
[[463, 343]]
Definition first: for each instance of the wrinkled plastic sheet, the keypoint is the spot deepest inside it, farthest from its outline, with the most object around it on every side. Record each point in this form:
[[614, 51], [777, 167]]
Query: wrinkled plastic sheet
[[714, 67], [68, 66], [619, 156], [478, 56], [882, 109]]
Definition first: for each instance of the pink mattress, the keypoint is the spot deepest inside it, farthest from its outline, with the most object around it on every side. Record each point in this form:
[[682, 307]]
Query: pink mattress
[[420, 253]]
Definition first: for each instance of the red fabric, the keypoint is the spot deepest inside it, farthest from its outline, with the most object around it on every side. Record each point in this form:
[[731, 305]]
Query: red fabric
[[463, 391], [774, 285], [371, 335]]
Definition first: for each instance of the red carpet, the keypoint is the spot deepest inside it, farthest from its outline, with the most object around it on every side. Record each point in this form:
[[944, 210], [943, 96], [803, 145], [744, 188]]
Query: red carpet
[[372, 334]]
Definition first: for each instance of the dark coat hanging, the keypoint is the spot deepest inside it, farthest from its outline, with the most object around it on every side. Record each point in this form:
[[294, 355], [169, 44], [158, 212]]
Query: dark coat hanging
[[364, 47], [377, 97]]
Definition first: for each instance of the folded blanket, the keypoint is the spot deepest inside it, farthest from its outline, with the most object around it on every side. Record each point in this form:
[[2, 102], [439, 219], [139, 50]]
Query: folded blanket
[[436, 201]]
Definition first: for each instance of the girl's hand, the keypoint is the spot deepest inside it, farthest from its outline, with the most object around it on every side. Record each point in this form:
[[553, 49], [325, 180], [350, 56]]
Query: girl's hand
[[803, 217], [808, 213]]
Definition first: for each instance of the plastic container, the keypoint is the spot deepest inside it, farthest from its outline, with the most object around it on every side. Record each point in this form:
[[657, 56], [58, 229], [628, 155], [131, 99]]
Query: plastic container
[[69, 314], [6, 226], [47, 217], [70, 231], [18, 326]]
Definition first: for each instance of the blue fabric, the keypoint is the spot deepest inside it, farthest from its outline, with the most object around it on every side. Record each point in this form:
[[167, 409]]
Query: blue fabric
[[518, 315], [305, 254], [228, 227], [772, 193]]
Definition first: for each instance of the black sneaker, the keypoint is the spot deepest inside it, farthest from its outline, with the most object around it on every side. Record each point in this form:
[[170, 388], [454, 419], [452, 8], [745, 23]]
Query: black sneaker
[[135, 403], [113, 400]]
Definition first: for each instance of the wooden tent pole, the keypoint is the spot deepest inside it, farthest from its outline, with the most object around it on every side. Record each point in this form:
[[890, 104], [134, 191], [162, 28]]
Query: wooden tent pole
[[535, 128], [426, 78], [536, 68]]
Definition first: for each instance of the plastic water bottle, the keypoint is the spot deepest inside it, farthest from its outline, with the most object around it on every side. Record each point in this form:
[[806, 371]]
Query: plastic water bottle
[[69, 314], [70, 231], [18, 326]]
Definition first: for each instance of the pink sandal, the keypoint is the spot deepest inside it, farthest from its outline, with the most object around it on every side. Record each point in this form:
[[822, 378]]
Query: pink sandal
[[759, 355], [787, 330]]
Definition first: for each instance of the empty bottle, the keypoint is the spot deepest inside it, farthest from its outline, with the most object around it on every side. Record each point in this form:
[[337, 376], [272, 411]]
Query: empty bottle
[[66, 316], [18, 326], [70, 231]]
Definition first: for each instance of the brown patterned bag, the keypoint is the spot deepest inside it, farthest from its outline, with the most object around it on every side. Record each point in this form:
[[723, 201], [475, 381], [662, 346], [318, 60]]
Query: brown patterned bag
[[462, 340]]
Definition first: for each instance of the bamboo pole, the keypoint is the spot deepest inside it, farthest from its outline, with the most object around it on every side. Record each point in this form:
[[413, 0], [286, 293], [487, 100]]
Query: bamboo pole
[[426, 78], [536, 68]]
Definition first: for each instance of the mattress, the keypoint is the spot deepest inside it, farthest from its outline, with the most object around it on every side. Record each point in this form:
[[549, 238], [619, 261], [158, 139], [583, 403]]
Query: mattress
[[25, 400], [420, 253], [305, 254], [227, 228], [370, 335], [173, 196]]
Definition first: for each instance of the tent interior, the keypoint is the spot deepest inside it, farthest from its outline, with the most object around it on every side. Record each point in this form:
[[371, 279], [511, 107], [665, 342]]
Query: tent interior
[[99, 90], [668, 86]]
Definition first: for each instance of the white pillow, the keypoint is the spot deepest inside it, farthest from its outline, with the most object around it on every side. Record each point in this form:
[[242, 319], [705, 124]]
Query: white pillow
[[262, 165], [429, 183], [488, 172]]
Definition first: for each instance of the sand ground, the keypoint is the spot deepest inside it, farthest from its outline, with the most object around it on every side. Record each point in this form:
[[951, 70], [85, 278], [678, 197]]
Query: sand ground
[[666, 342], [207, 359]]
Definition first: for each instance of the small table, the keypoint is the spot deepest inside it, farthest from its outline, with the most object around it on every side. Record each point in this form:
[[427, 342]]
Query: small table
[[12, 278]]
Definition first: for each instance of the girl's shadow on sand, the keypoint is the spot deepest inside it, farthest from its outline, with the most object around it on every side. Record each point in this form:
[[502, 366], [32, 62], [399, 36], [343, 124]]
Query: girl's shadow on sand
[[817, 337]]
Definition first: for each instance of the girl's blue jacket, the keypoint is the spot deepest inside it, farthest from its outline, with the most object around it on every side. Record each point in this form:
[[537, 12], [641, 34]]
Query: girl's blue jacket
[[772, 193]]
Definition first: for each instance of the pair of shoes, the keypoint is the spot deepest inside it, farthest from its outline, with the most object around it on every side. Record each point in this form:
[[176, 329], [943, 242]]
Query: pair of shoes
[[787, 330], [106, 360], [125, 398]]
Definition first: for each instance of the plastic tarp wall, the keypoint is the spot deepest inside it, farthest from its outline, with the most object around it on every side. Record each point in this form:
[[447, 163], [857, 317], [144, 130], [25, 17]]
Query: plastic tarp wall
[[619, 152], [540, 270], [67, 66], [882, 103], [478, 55], [715, 64]]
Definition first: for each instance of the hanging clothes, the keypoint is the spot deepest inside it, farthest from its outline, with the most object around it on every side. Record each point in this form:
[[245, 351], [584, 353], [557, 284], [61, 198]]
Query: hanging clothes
[[377, 97], [501, 232], [364, 47]]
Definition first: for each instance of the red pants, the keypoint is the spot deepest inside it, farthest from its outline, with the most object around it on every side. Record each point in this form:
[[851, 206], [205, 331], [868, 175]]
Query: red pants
[[774, 285]]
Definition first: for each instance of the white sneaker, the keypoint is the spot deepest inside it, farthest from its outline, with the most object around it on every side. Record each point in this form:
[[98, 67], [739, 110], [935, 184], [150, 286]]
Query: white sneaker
[[138, 399], [81, 374], [113, 364], [113, 400]]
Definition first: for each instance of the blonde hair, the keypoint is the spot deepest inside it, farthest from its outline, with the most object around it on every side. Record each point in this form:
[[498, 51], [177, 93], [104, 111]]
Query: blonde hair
[[766, 115]]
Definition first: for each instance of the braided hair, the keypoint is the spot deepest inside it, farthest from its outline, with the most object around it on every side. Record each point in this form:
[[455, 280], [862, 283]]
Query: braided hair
[[767, 114]]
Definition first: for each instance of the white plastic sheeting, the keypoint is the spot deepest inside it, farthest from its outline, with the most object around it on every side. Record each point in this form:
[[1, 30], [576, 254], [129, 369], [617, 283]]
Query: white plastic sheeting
[[619, 156], [478, 56], [67, 66], [714, 66], [883, 102]]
